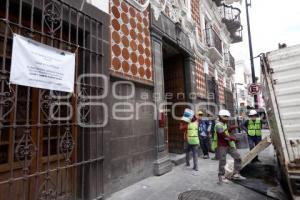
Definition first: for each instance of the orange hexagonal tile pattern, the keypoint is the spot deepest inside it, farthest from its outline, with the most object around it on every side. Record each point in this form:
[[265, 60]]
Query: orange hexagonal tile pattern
[[131, 46]]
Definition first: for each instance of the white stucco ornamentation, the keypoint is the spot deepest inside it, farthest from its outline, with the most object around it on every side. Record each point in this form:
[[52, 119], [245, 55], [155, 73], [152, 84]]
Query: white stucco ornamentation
[[139, 5], [173, 10], [179, 11], [195, 41], [158, 7]]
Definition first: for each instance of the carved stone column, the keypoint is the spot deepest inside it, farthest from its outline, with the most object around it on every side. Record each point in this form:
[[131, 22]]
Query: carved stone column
[[162, 164]]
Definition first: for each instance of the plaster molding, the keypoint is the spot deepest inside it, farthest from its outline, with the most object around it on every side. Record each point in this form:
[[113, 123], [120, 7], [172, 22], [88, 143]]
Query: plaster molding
[[174, 10], [158, 7], [140, 7], [180, 12]]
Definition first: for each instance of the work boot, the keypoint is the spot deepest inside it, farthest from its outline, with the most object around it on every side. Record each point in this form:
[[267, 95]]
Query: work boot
[[238, 177], [222, 179]]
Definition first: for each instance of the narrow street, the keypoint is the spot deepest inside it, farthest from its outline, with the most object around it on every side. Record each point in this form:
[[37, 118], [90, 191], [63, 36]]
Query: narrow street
[[182, 179]]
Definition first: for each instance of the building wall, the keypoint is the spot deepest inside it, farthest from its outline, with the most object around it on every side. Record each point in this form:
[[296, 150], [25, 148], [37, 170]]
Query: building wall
[[195, 6], [211, 71], [221, 88], [199, 75], [130, 42], [200, 79], [243, 76], [132, 141]]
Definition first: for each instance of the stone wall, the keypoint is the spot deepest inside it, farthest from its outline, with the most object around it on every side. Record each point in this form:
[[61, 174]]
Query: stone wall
[[132, 148]]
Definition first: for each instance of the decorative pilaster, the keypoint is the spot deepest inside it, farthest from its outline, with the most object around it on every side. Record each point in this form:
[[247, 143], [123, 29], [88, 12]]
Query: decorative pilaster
[[162, 164]]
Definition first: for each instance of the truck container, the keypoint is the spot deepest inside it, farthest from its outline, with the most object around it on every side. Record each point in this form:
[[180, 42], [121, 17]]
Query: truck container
[[280, 77]]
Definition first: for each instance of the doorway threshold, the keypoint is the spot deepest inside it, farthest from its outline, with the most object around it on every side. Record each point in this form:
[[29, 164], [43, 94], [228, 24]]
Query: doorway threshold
[[177, 159]]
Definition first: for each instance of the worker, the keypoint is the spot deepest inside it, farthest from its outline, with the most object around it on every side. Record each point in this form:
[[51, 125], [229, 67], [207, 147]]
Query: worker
[[190, 131], [204, 133], [226, 145], [253, 127]]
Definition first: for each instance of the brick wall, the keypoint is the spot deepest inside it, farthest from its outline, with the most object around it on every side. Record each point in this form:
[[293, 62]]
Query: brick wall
[[130, 42], [200, 76], [195, 4]]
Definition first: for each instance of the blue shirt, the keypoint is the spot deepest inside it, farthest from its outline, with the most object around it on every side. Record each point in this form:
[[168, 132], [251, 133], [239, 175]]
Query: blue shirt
[[204, 128]]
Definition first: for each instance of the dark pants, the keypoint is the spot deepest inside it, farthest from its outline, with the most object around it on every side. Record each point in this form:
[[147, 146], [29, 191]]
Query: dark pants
[[253, 141], [204, 142], [217, 156], [194, 149], [223, 151]]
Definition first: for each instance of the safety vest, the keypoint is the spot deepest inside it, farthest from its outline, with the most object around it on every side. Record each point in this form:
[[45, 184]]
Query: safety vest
[[192, 133], [254, 127], [214, 143]]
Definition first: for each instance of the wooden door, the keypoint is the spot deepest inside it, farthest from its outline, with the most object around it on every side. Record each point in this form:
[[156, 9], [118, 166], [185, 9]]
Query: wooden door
[[174, 84]]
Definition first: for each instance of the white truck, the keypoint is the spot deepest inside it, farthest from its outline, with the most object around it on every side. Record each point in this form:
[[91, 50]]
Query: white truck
[[280, 79]]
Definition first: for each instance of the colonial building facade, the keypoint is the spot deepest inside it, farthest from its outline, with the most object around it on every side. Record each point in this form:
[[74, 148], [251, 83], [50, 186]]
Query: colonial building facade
[[138, 63], [171, 47]]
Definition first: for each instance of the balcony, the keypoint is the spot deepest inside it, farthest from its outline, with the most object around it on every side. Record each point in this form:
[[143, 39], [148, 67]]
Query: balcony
[[237, 36], [231, 17], [214, 44], [230, 64]]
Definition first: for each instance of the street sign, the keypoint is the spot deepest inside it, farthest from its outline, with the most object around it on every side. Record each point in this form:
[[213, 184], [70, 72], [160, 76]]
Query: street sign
[[254, 89]]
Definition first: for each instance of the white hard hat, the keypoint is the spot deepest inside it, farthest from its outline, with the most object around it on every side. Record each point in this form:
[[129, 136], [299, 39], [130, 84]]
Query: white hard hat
[[252, 112], [224, 113]]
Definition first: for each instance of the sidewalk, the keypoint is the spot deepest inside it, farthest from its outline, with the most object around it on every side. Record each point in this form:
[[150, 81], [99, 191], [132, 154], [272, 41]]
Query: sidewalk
[[182, 178]]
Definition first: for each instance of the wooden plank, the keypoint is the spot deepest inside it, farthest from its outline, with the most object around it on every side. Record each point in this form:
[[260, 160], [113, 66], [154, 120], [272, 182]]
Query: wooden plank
[[249, 156], [265, 143]]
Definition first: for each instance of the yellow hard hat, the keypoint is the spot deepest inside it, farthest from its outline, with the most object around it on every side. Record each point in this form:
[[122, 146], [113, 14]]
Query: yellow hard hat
[[200, 113]]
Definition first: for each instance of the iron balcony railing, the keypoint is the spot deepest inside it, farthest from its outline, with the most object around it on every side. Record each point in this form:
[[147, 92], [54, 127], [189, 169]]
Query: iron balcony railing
[[230, 61], [230, 14], [213, 40], [231, 17]]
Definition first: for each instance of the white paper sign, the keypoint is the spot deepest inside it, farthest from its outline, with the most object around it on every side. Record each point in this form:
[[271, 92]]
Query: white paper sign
[[41, 66], [100, 4]]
